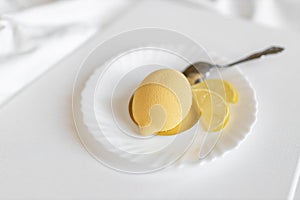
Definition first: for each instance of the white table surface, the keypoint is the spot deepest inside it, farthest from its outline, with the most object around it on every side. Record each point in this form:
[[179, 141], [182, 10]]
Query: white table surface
[[41, 157]]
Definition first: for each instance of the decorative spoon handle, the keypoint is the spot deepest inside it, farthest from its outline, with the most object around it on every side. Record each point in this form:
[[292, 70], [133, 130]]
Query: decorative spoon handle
[[271, 50]]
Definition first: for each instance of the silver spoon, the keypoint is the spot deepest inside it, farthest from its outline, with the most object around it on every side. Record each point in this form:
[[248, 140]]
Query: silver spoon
[[200, 70]]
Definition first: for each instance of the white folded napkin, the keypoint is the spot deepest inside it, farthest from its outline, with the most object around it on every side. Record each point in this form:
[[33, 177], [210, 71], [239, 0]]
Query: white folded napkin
[[32, 40]]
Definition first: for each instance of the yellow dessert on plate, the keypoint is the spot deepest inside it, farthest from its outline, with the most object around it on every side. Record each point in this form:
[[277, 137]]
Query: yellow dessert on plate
[[161, 102], [166, 104]]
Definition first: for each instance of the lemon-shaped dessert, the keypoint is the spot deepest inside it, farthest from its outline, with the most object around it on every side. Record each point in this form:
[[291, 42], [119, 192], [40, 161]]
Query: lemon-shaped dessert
[[176, 82], [188, 122], [161, 102]]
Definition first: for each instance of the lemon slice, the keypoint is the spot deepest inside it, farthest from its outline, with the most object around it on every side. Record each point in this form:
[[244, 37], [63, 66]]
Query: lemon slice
[[222, 87], [214, 109]]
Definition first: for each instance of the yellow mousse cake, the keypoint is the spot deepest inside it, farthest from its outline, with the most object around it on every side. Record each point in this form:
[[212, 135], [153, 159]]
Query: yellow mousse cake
[[161, 102]]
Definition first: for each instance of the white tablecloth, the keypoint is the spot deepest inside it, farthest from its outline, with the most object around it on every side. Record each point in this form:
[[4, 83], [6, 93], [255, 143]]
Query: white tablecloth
[[41, 157]]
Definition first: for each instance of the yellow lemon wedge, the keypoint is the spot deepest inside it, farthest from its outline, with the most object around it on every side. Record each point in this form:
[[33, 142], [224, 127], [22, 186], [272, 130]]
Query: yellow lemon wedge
[[214, 109], [221, 87]]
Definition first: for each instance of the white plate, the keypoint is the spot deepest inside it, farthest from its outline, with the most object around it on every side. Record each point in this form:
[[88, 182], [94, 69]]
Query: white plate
[[101, 108], [243, 114]]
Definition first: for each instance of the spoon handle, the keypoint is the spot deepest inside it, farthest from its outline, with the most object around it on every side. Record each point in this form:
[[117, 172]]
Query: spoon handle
[[271, 50]]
